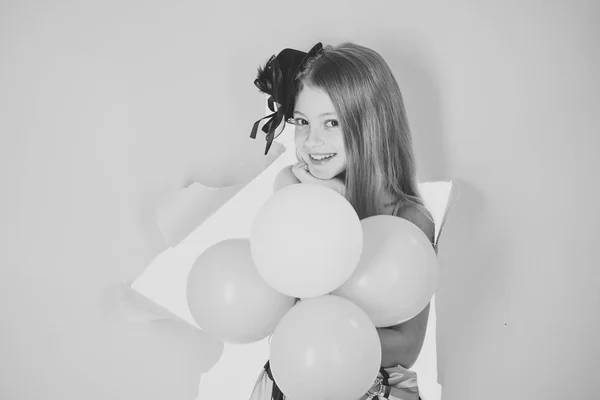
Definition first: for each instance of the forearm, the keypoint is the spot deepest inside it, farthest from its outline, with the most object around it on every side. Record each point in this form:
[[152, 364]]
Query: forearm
[[397, 348]]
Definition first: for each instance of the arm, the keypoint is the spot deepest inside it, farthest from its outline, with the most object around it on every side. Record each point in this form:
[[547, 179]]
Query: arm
[[284, 178], [402, 343]]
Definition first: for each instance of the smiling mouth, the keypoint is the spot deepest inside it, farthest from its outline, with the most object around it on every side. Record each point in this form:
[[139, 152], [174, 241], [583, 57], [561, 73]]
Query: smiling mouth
[[321, 157]]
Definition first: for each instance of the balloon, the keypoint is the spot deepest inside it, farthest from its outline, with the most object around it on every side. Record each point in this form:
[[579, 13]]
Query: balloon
[[228, 298], [306, 240], [397, 274], [325, 348]]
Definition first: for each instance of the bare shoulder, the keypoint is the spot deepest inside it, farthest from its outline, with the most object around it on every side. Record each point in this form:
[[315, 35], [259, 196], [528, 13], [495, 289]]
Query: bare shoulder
[[420, 217]]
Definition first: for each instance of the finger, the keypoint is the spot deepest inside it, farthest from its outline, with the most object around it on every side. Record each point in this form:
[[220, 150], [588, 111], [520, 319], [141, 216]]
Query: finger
[[299, 169], [296, 169], [302, 174], [298, 174], [301, 165]]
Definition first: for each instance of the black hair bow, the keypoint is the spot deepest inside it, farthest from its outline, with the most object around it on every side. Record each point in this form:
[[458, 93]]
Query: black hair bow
[[278, 79]]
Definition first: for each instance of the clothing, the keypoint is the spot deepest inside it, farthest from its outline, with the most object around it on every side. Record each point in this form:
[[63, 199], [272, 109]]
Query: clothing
[[395, 383]]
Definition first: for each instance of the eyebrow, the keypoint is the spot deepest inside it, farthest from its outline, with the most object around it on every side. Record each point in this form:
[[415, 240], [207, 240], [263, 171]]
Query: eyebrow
[[320, 115]]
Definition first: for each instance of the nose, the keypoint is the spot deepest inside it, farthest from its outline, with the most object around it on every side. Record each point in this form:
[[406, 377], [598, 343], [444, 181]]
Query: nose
[[314, 139]]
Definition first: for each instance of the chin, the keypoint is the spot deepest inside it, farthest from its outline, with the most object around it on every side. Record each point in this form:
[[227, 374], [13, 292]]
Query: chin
[[321, 174], [325, 176]]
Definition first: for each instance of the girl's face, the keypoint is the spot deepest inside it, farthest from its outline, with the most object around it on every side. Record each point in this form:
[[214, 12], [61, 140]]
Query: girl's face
[[319, 138]]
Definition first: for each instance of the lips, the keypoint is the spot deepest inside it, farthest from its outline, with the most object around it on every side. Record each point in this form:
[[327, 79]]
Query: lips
[[320, 159]]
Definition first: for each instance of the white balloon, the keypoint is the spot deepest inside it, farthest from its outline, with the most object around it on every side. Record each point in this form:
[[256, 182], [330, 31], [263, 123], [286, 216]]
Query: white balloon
[[306, 240], [325, 348], [397, 274], [228, 298]]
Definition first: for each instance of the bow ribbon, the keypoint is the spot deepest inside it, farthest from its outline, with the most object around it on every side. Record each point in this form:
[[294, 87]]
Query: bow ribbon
[[278, 79], [278, 114]]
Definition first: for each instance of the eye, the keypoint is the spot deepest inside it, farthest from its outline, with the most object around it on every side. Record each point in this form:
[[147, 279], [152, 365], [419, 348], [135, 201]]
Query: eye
[[298, 121], [332, 123]]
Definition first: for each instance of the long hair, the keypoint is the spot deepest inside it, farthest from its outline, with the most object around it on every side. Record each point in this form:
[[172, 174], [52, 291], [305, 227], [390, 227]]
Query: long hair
[[371, 112]]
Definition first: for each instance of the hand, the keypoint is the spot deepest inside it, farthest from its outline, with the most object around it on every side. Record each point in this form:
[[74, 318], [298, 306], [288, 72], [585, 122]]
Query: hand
[[300, 169], [285, 178]]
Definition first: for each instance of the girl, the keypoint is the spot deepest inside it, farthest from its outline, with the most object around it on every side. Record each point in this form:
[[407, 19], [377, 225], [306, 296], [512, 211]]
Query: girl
[[352, 135]]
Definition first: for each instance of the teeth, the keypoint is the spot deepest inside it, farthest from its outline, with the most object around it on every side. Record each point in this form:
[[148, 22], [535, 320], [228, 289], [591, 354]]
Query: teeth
[[321, 157]]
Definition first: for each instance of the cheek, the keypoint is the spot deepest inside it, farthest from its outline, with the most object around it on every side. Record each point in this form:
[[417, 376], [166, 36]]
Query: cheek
[[339, 144], [299, 146], [342, 163], [299, 140]]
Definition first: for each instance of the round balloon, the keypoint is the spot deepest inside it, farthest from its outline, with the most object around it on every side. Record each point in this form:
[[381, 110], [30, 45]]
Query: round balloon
[[397, 274], [306, 240], [325, 348], [229, 299]]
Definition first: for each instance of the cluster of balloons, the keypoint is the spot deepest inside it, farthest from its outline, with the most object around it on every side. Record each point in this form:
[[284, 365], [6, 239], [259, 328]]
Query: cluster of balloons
[[351, 276]]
